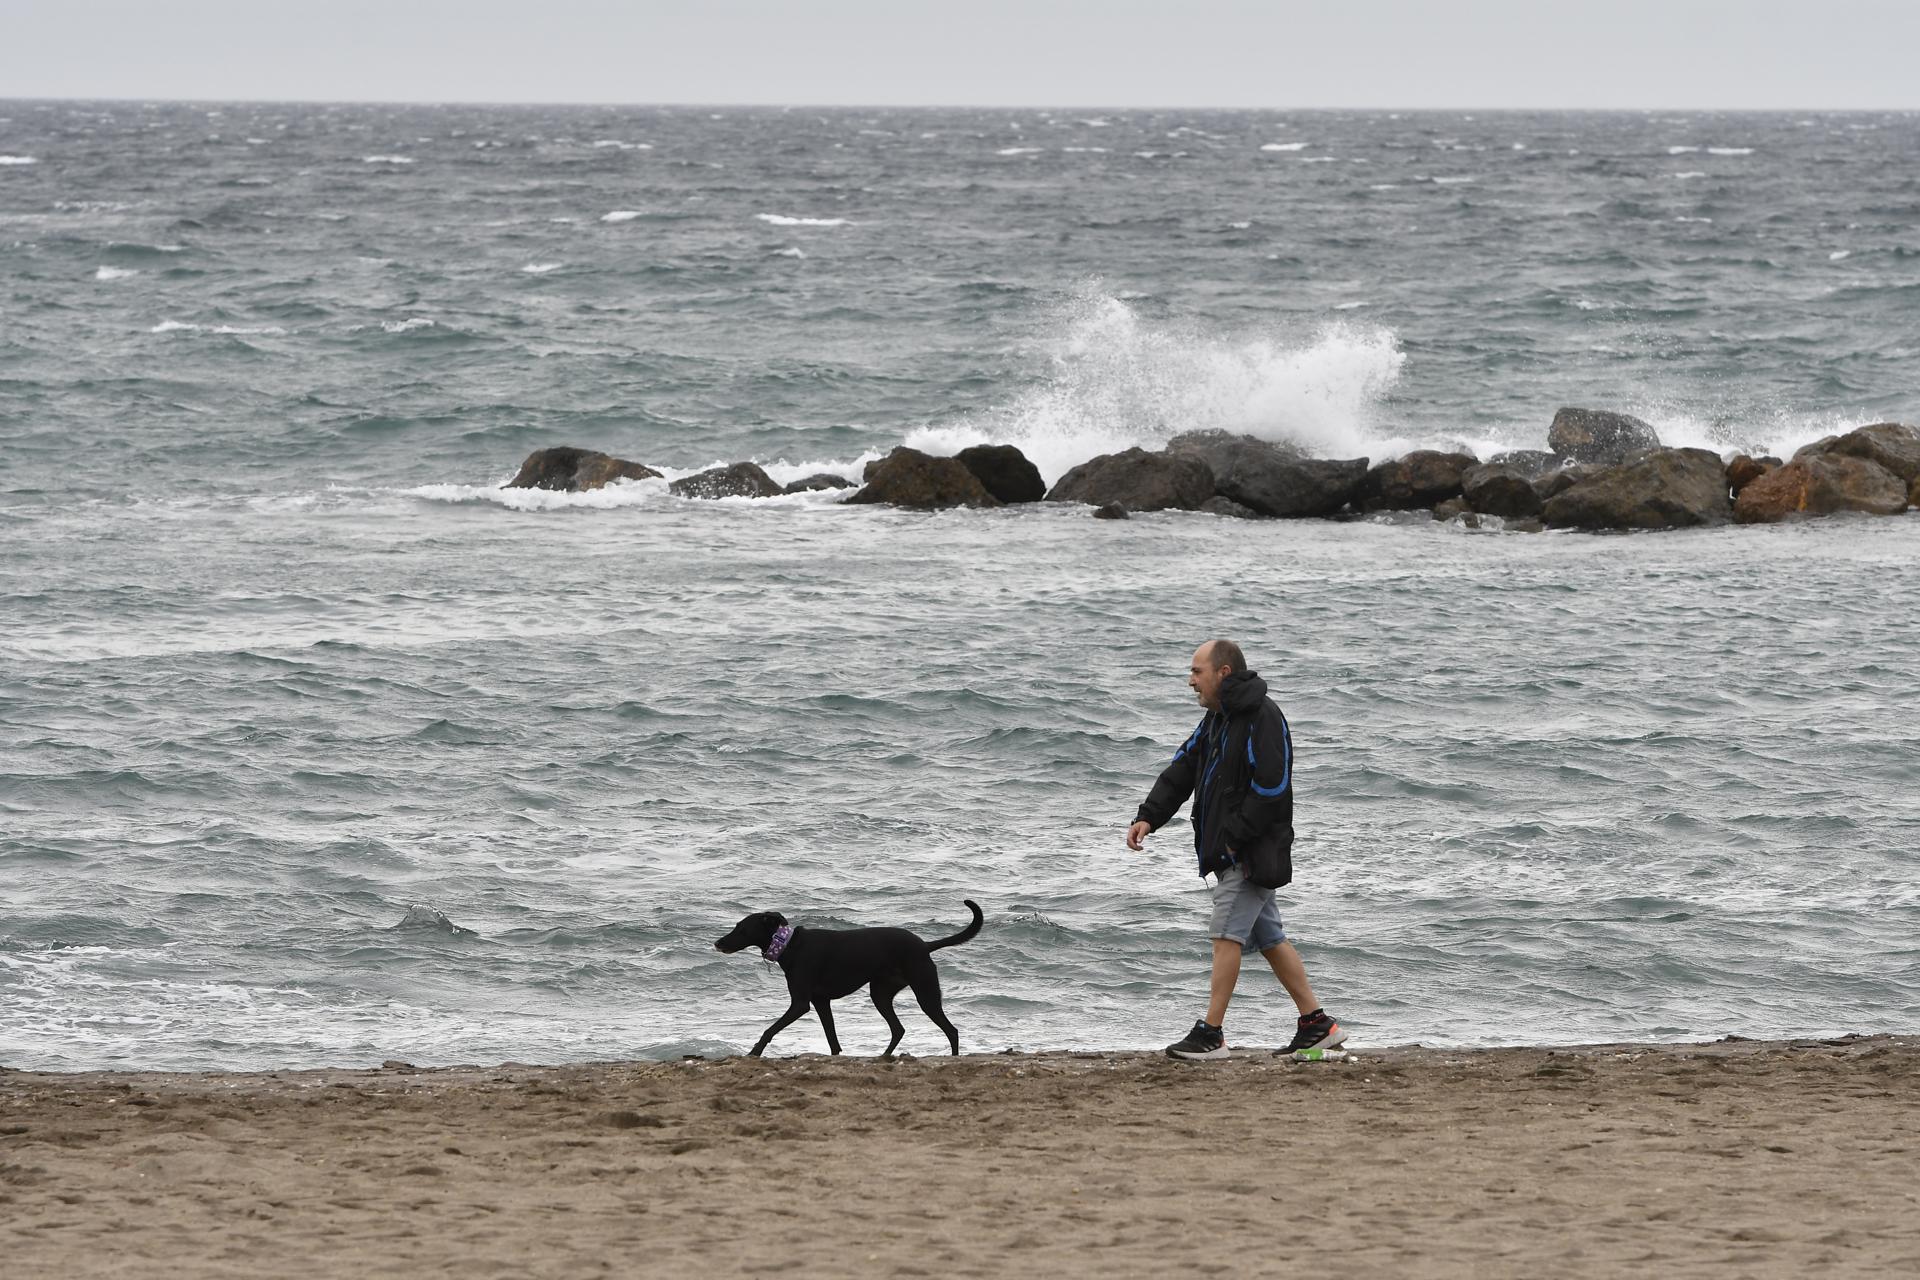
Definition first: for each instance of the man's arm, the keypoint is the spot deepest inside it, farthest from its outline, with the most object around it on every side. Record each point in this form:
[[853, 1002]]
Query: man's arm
[[1170, 789], [1269, 801]]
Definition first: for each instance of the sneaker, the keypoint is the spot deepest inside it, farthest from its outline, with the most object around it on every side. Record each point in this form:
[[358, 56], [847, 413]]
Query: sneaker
[[1315, 1031], [1204, 1041]]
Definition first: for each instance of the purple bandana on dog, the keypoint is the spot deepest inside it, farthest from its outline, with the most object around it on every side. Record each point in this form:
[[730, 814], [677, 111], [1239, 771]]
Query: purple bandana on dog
[[781, 937]]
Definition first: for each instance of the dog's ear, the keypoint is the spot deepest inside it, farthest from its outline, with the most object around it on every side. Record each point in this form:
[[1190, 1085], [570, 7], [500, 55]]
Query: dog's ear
[[776, 919]]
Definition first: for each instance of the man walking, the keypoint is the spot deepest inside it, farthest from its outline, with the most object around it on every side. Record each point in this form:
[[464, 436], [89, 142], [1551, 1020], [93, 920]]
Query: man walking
[[1238, 767]]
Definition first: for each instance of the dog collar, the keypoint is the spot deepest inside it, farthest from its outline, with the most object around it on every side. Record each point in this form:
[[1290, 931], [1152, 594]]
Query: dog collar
[[781, 937]]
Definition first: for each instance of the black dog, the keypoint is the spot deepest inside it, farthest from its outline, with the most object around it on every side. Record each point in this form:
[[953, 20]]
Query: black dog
[[824, 964]]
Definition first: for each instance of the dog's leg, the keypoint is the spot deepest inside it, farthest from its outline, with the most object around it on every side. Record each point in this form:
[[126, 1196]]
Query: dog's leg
[[824, 1007], [794, 1010], [926, 989], [883, 1001]]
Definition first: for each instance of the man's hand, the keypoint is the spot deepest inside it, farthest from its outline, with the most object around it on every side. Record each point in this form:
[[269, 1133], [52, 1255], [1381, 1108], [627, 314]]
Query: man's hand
[[1137, 833]]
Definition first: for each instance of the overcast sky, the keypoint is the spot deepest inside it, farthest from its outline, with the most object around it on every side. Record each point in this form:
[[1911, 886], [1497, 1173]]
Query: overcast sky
[[1229, 53]]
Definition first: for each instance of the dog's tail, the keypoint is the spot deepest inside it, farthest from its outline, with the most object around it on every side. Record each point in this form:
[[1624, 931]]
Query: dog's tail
[[966, 933]]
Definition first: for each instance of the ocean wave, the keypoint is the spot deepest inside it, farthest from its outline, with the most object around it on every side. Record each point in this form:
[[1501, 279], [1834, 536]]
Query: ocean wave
[[115, 273], [1116, 380], [184, 326], [782, 220], [541, 268], [1729, 151], [1019, 151], [386, 159], [18, 160], [1681, 151], [621, 215], [621, 493], [1284, 146], [406, 326]]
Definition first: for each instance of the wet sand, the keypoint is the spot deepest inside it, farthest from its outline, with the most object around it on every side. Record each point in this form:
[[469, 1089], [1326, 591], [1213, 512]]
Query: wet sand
[[1729, 1159]]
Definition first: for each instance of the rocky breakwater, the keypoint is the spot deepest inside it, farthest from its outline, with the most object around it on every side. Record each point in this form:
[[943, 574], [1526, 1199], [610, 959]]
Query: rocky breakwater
[[1874, 470]]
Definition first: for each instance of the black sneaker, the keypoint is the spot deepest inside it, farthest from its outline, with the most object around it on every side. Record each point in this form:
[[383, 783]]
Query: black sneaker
[[1316, 1031], [1204, 1041]]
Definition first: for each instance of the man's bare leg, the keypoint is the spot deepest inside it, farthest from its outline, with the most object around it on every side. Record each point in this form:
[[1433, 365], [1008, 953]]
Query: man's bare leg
[[1226, 972], [1287, 967]]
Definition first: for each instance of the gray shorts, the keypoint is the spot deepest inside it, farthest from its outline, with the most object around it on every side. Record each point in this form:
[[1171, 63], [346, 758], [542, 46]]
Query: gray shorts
[[1245, 913]]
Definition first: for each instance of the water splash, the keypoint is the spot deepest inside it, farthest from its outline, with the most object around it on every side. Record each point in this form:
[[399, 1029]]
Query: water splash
[[1117, 379]]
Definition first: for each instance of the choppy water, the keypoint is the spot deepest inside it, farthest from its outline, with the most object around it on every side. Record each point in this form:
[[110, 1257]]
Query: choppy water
[[278, 663]]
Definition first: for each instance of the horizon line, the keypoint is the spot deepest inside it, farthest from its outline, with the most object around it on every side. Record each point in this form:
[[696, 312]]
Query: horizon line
[[939, 106]]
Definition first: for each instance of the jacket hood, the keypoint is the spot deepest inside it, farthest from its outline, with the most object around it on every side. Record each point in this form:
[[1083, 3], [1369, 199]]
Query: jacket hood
[[1242, 691]]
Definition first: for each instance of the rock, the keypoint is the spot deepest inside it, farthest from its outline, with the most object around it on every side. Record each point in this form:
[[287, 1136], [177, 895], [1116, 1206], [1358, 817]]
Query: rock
[[1420, 479], [741, 480], [1452, 509], [571, 470], [1276, 485], [817, 482], [1138, 480], [1531, 463], [1554, 483], [1499, 490], [1111, 511], [1219, 506], [1891, 444], [1743, 471], [1594, 435], [1004, 472], [1665, 489], [1821, 484], [1913, 493], [1214, 446], [909, 478]]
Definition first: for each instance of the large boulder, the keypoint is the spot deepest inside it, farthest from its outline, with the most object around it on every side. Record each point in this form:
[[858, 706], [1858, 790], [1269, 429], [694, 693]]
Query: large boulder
[[1420, 479], [909, 478], [1216, 448], [1821, 484], [741, 480], [570, 470], [1531, 463], [1274, 484], [1004, 472], [1495, 489], [1595, 435], [1745, 469], [1893, 445], [1137, 480], [818, 481], [1553, 483], [1665, 489]]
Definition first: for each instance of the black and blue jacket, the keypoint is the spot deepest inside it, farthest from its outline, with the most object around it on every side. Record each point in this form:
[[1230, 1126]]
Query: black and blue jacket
[[1238, 767]]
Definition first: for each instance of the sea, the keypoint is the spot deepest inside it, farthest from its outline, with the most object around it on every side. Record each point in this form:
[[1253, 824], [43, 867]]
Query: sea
[[318, 747]]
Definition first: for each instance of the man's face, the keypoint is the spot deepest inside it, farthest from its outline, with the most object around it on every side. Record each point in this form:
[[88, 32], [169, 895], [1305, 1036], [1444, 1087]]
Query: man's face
[[1204, 678]]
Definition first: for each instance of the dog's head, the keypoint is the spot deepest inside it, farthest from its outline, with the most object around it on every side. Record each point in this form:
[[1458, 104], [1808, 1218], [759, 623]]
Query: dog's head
[[755, 930]]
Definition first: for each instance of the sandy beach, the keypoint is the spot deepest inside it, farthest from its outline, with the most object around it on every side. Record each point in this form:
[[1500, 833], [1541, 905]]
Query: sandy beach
[[1734, 1158]]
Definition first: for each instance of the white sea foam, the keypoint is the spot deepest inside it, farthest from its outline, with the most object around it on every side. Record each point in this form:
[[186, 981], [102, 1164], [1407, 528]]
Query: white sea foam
[[782, 220], [1685, 174], [621, 215], [1083, 150], [406, 326], [1284, 146], [541, 268], [1681, 151], [604, 144], [1117, 380], [1317, 159], [1452, 182], [791, 251], [1729, 151], [1240, 226], [115, 273], [386, 159], [1019, 151], [621, 493], [1839, 255], [18, 160], [1684, 218], [182, 326]]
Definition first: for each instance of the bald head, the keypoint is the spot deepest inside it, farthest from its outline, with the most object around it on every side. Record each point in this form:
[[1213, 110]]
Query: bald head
[[1212, 663]]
